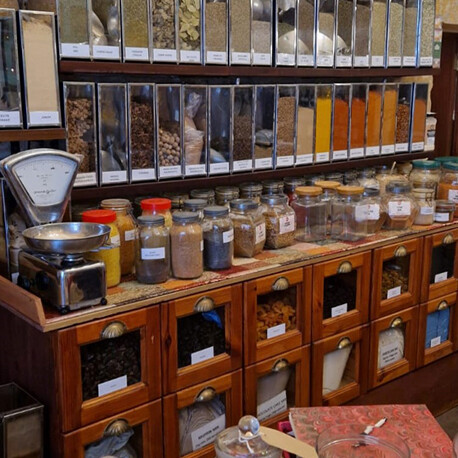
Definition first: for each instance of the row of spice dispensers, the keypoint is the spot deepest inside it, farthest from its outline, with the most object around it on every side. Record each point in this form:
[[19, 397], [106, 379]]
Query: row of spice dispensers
[[140, 132], [182, 237]]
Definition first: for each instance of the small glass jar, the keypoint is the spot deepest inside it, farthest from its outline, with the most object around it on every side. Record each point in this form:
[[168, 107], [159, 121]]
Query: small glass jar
[[376, 210], [109, 254], [137, 208], [271, 187], [177, 199], [291, 183], [366, 179], [335, 176], [402, 208], [153, 250], [448, 186], [350, 178], [425, 174], [158, 206], [251, 190], [311, 214], [186, 241], [127, 231], [385, 175], [445, 210], [280, 221], [218, 238], [310, 180], [427, 206], [329, 196], [349, 214], [249, 227], [196, 206], [207, 194], [224, 195]]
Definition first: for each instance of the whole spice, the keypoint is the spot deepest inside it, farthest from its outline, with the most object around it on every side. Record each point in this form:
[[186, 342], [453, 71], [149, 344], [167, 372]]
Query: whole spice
[[164, 36], [378, 28], [395, 29], [73, 21], [339, 294], [216, 26], [189, 23], [427, 28], [286, 121], [262, 37], [393, 276], [168, 148], [141, 135], [280, 221], [240, 26], [402, 123], [135, 23], [243, 137]]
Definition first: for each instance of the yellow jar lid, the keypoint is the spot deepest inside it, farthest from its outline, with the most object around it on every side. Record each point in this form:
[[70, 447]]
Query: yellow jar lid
[[350, 190], [308, 191], [328, 184]]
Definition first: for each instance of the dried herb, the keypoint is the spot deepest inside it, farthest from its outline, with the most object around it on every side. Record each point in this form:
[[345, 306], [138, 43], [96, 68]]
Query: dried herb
[[164, 36], [189, 23], [135, 23], [240, 26]]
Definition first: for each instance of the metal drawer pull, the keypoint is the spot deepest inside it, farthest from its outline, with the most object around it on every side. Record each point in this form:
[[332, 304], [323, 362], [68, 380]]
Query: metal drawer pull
[[400, 251], [204, 304], [280, 284], [345, 267], [448, 239], [116, 428], [396, 323], [442, 305], [113, 330], [344, 343], [280, 365], [207, 394]]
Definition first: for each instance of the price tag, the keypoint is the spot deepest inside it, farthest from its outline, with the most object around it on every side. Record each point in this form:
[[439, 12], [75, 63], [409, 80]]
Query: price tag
[[394, 61], [86, 179], [75, 50], [399, 208], [262, 58], [206, 434], [239, 166], [409, 61], [120, 176], [418, 146], [426, 210], [105, 52], [264, 163], [115, 241], [324, 61], [241, 58], [10, 119], [170, 171], [387, 149], [339, 155], [372, 150], [44, 118], [402, 147], [152, 254], [453, 195], [287, 224], [442, 217], [276, 331], [322, 157], [373, 212], [143, 174], [426, 61], [214, 57], [377, 61], [164, 55], [202, 355], [228, 236], [285, 59], [260, 233], [304, 159], [356, 152], [272, 407], [440, 277], [285, 161], [219, 168], [339, 310], [343, 61], [393, 292], [361, 213], [361, 61], [190, 57], [436, 341], [201, 245], [129, 235], [389, 354], [112, 385], [133, 53], [198, 169], [305, 60]]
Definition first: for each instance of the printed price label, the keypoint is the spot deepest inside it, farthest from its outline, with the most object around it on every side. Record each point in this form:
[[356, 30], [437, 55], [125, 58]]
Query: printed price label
[[402, 147], [339, 155], [276, 331], [262, 58], [399, 208], [151, 254], [389, 354], [436, 341], [260, 233], [170, 171], [441, 217], [202, 355], [305, 60], [143, 174], [426, 210], [324, 61], [207, 434], [426, 61], [304, 159], [238, 166], [190, 57], [114, 177], [372, 150], [440, 277], [387, 149], [75, 50], [361, 61], [394, 61], [105, 52], [228, 236], [219, 168], [343, 61], [112, 385], [214, 57], [165, 55], [409, 61], [393, 292], [285, 59], [133, 53], [287, 224], [453, 195], [373, 212], [418, 146], [242, 58], [198, 169], [272, 407], [322, 157], [129, 235], [356, 152], [361, 213], [377, 61], [44, 118], [115, 241], [265, 163], [10, 119], [285, 161], [86, 179], [339, 310]]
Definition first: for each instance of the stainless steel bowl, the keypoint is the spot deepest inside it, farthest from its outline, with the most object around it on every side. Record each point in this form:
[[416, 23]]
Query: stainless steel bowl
[[66, 238]]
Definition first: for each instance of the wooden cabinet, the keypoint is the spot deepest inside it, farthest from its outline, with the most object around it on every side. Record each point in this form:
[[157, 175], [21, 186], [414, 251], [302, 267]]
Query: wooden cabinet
[[201, 337], [437, 329], [340, 294], [108, 366], [440, 265], [277, 384], [276, 314], [393, 346], [145, 424], [396, 277], [339, 367], [218, 400]]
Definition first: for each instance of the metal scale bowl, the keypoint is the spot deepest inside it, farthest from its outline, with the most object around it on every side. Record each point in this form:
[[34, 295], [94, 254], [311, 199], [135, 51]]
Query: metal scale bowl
[[53, 267]]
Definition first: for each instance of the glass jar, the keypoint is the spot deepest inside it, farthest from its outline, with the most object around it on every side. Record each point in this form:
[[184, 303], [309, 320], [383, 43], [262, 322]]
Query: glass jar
[[158, 206], [448, 186], [350, 178], [310, 180], [195, 206], [444, 159], [385, 175], [153, 250], [218, 238], [329, 196], [224, 195], [177, 199], [425, 174], [127, 231], [376, 210], [249, 227], [280, 221], [427, 206], [404, 168], [207, 194], [270, 187], [445, 210], [186, 241], [311, 214], [291, 183], [251, 190], [402, 209], [366, 178], [349, 214], [335, 176], [109, 254], [137, 208]]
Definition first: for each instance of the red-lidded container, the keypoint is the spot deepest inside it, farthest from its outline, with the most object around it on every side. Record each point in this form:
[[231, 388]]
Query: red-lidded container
[[158, 206]]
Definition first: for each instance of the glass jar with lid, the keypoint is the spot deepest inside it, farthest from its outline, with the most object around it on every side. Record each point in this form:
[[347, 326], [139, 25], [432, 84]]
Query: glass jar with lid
[[404, 168], [385, 175], [311, 214], [445, 210], [448, 186], [402, 208], [177, 199], [291, 183], [280, 221], [366, 178], [376, 210], [224, 194], [153, 250], [445, 159], [425, 174], [349, 214], [350, 178], [270, 187], [218, 238], [427, 206], [251, 190], [158, 206], [186, 242], [335, 176], [310, 180], [137, 207], [127, 231], [196, 206], [207, 194], [249, 227], [329, 196]]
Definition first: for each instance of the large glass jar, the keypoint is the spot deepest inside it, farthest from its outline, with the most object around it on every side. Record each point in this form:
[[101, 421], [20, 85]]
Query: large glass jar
[[153, 250], [402, 208], [349, 214], [186, 241], [280, 221], [329, 196], [127, 231], [195, 206], [311, 214], [224, 195], [445, 210], [376, 210], [218, 238], [109, 254], [291, 183], [270, 187], [249, 227], [425, 174], [177, 199], [385, 175], [158, 206], [448, 186], [251, 190], [366, 178], [207, 194], [427, 206]]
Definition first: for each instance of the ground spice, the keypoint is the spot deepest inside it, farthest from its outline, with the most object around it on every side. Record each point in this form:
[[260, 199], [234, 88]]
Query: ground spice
[[344, 29], [216, 26], [10, 4], [395, 29], [305, 117], [363, 21], [409, 44], [135, 23], [240, 26], [389, 117], [262, 37], [402, 123], [163, 13], [378, 28], [419, 121], [286, 122], [306, 24], [323, 124], [340, 135], [374, 111], [42, 5], [427, 28], [73, 21], [358, 122], [141, 135]]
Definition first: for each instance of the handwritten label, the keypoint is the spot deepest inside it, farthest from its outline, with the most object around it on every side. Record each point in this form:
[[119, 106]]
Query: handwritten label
[[207, 434], [262, 58], [115, 241], [260, 233], [373, 212], [322, 157], [129, 235], [436, 341], [86, 179], [228, 236], [393, 292], [152, 254], [264, 163], [119, 176], [276, 331], [214, 57], [202, 355], [399, 208], [165, 55], [75, 50], [241, 58], [440, 277], [272, 407], [190, 57], [170, 171], [305, 60], [441, 217], [339, 155], [285, 161], [143, 174], [44, 118], [10, 119], [389, 354], [133, 53], [339, 310], [105, 52], [219, 168], [287, 224], [304, 159], [112, 385], [238, 166]]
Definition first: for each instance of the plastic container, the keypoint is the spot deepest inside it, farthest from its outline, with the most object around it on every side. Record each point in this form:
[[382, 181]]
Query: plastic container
[[358, 120], [419, 110], [402, 208], [305, 33], [427, 206], [216, 17], [445, 210], [261, 32], [286, 33], [242, 128], [286, 116], [341, 121], [403, 117], [448, 185], [72, 16], [374, 116], [158, 206], [395, 33], [362, 28], [105, 29], [323, 123], [136, 29], [379, 32], [305, 129], [264, 125], [376, 210], [195, 206], [390, 103], [349, 214], [344, 33], [164, 31], [425, 174], [410, 38], [251, 190], [325, 33]]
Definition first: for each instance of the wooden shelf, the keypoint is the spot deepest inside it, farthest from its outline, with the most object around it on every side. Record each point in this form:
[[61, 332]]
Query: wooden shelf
[[19, 135]]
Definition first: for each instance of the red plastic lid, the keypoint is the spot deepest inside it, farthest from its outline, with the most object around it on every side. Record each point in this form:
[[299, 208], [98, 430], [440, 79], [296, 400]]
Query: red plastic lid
[[157, 203], [99, 216]]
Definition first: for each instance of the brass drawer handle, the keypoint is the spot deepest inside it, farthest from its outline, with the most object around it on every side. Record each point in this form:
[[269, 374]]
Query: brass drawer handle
[[204, 304], [207, 394], [448, 239], [400, 251], [280, 284], [442, 305], [116, 428], [345, 267], [344, 343], [280, 365], [113, 330], [396, 323]]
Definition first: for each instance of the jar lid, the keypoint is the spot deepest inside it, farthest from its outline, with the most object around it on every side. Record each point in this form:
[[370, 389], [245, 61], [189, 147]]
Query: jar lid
[[334, 176], [202, 193], [153, 220], [423, 192], [350, 190], [447, 205], [227, 191], [443, 159], [115, 203], [367, 173], [309, 191], [243, 204], [276, 199], [294, 181], [216, 210], [251, 186], [398, 187], [194, 204], [99, 216], [185, 217], [328, 184], [156, 203], [450, 165], [273, 184], [425, 164], [371, 192]]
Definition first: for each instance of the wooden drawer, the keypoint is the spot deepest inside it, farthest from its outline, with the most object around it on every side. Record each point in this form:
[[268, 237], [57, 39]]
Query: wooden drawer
[[440, 265], [340, 294], [396, 277], [344, 357], [144, 422], [276, 314], [210, 396], [118, 356], [436, 341], [201, 337], [288, 375], [399, 333]]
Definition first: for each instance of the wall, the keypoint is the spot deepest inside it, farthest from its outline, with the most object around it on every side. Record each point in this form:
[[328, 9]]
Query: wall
[[448, 10]]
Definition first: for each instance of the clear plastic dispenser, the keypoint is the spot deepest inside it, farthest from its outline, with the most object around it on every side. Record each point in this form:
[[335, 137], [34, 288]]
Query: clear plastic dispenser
[[72, 17]]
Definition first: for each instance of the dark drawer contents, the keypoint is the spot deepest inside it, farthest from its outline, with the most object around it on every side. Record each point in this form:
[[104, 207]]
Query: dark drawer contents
[[110, 359], [395, 277], [442, 263], [339, 294]]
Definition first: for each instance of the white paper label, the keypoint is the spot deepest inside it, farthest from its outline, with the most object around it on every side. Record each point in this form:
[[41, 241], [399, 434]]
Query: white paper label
[[324, 61], [409, 61], [372, 150], [44, 118], [133, 53], [402, 147], [426, 61], [75, 50], [242, 58], [151, 254], [86, 179], [14, 277], [304, 159], [436, 341], [170, 171], [260, 233], [105, 52], [399, 208], [305, 60], [201, 245], [198, 169], [285, 59], [361, 213], [287, 224], [265, 163], [339, 310], [228, 236], [112, 385], [115, 241], [453, 195], [440, 277], [206, 434], [120, 176], [390, 353], [322, 157], [387, 149], [190, 57], [272, 407], [394, 61], [219, 168], [143, 174], [356, 152], [426, 210], [276, 331], [377, 61], [343, 61], [129, 235], [165, 55], [393, 292], [238, 166], [339, 155], [262, 58], [285, 161], [216, 57], [373, 212], [10, 119], [361, 61], [202, 355], [442, 217], [418, 146]]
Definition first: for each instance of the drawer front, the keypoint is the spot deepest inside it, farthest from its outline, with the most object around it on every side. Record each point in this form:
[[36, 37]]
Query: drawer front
[[340, 294], [143, 425], [108, 366], [277, 384], [396, 277], [393, 346], [276, 314], [340, 366], [201, 337], [218, 401], [440, 265], [437, 329]]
